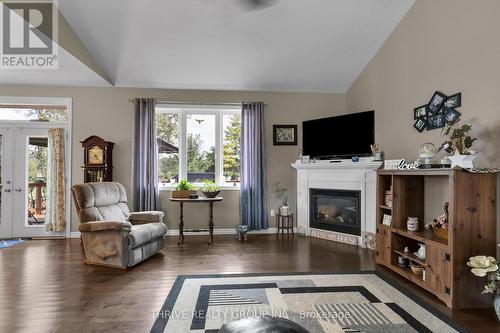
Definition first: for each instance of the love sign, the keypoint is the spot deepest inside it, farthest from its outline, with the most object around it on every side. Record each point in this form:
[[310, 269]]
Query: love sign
[[403, 165]]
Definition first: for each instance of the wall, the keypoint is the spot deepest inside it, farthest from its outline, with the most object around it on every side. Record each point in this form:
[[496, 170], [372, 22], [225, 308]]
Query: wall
[[446, 45], [107, 112]]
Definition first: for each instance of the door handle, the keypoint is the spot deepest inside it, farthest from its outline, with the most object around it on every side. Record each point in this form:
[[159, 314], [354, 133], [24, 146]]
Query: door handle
[[7, 190], [18, 189]]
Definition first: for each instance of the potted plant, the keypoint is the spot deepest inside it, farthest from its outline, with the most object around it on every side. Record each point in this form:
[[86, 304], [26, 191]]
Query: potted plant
[[210, 189], [458, 144], [280, 193], [183, 190], [484, 266]]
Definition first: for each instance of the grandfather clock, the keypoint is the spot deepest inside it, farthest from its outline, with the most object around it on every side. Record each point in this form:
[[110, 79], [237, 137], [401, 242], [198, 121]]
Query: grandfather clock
[[97, 159]]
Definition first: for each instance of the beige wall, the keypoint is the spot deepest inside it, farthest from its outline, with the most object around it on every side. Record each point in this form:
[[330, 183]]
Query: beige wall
[[446, 45], [106, 112]]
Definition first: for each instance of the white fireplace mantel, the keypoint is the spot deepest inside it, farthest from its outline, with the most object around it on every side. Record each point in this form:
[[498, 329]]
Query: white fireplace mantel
[[343, 175]]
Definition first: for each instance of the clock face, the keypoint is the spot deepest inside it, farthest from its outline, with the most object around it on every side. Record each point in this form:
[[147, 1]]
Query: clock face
[[96, 155]]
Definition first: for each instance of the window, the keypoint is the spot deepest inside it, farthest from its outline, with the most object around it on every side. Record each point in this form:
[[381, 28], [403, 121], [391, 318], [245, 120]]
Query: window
[[34, 112], [198, 143]]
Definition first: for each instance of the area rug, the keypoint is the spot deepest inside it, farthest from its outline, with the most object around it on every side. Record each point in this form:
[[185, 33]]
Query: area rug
[[10, 242], [319, 302]]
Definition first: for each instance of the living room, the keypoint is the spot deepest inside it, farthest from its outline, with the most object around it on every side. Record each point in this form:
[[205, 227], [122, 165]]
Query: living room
[[130, 81]]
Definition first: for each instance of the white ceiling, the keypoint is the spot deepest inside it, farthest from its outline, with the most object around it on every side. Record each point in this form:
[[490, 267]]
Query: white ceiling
[[296, 45]]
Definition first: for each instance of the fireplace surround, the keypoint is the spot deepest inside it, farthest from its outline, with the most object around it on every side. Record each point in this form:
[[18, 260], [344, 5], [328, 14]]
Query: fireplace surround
[[343, 175]]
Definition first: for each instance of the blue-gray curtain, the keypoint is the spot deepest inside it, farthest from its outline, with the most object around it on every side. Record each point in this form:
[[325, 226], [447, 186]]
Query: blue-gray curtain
[[253, 164], [145, 192]]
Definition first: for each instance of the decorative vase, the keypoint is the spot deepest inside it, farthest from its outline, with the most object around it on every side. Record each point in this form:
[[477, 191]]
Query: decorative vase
[[497, 305], [284, 211]]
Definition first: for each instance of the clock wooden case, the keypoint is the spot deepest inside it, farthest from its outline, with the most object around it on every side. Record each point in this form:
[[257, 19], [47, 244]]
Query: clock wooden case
[[97, 159]]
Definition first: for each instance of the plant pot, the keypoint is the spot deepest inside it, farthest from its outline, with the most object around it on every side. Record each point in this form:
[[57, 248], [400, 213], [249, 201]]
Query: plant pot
[[284, 210], [210, 194], [182, 194]]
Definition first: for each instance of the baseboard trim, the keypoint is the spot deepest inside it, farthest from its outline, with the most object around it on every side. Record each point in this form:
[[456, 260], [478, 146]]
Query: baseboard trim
[[219, 231]]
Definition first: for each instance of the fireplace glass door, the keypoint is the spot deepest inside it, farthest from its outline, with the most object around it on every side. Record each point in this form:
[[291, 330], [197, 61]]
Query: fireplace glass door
[[336, 210]]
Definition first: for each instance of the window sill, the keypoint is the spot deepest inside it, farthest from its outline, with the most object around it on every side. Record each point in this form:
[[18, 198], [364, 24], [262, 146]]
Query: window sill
[[222, 188]]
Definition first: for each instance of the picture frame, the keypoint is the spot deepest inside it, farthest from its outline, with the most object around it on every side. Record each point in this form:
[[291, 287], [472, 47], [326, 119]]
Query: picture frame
[[284, 135], [420, 124], [435, 122], [387, 220], [454, 101], [436, 103], [420, 112], [451, 115]]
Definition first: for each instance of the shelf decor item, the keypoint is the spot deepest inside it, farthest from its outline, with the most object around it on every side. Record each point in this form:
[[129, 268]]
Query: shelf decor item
[[412, 224], [486, 266], [97, 160], [387, 220], [280, 193], [440, 225], [457, 145], [183, 190], [416, 269], [210, 189], [388, 197]]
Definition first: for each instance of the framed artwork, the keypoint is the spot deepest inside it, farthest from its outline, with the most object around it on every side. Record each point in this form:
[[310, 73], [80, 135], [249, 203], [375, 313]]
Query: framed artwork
[[436, 121], [420, 112], [387, 220], [450, 115], [420, 124], [436, 103], [454, 101], [284, 135]]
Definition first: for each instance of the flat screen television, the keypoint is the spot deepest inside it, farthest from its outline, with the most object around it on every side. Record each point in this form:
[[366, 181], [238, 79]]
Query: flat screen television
[[339, 137]]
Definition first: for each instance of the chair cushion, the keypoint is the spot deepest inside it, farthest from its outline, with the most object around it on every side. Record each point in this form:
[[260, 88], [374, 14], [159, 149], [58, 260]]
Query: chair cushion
[[143, 233]]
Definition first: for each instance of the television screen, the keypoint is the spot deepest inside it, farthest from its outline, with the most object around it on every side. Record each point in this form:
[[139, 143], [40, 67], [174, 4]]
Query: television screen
[[339, 137]]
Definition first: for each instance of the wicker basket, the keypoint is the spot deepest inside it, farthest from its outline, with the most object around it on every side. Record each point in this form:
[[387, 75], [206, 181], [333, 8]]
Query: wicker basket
[[440, 232]]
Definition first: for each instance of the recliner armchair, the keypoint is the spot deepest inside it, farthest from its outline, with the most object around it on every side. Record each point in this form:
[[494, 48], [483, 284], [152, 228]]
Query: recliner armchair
[[112, 236]]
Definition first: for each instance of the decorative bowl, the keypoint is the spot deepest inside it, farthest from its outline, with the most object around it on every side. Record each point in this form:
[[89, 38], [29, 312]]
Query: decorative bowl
[[211, 194], [416, 269], [440, 232]]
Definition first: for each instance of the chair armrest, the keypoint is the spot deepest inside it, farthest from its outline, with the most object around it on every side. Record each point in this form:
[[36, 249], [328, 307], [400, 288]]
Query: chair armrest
[[105, 225], [146, 217]]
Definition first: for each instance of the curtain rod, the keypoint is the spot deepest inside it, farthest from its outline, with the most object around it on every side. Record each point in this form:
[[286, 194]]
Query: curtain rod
[[191, 103]]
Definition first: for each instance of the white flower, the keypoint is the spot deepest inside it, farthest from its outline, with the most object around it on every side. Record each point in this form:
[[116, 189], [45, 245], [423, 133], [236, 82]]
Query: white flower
[[482, 265]]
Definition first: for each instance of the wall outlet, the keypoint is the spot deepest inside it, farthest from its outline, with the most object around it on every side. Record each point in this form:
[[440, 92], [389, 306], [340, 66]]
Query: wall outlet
[[272, 212]]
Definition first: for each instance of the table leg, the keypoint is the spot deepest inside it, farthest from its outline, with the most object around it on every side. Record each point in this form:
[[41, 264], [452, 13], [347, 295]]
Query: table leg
[[292, 223], [181, 225], [211, 224]]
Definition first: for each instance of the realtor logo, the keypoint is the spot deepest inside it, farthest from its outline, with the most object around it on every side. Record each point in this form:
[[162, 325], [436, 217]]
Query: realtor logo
[[29, 34]]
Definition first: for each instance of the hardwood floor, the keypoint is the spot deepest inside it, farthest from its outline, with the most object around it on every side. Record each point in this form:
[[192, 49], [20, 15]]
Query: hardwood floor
[[44, 287]]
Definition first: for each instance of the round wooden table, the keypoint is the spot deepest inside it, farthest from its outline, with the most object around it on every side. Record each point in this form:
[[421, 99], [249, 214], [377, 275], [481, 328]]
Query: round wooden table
[[210, 229]]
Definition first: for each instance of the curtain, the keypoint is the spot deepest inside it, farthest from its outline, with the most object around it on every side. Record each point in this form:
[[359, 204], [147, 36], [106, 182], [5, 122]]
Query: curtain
[[55, 215], [145, 191], [253, 164]]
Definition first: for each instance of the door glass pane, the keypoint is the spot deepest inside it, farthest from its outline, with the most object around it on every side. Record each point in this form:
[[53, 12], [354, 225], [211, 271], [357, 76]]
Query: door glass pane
[[231, 133], [37, 179], [167, 131], [200, 148], [1, 176]]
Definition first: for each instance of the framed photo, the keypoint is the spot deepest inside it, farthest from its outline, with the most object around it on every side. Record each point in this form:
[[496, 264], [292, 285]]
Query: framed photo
[[420, 124], [420, 112], [434, 122], [387, 220], [450, 115], [436, 103], [284, 135], [454, 101]]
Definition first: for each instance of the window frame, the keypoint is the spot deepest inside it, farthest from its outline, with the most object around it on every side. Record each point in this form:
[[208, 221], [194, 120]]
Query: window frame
[[183, 111]]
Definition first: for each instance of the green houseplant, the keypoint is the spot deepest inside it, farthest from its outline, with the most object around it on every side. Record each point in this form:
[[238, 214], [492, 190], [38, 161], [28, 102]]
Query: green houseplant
[[457, 145], [210, 189], [280, 193], [183, 190]]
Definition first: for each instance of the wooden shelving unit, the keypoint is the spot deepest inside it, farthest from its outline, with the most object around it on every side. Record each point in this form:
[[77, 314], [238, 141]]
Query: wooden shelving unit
[[472, 199]]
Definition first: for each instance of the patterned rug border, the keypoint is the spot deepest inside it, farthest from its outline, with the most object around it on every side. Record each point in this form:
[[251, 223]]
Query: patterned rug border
[[161, 322]]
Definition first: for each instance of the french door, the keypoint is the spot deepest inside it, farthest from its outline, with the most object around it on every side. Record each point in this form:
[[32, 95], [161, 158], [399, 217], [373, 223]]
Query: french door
[[24, 157]]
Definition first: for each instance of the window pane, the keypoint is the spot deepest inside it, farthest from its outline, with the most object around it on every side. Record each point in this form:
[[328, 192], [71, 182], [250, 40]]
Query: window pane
[[35, 113], [167, 129], [231, 126], [200, 147], [37, 178]]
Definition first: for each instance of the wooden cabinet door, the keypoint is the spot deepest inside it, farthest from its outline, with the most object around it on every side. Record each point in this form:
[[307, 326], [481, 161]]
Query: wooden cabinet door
[[383, 254], [438, 273]]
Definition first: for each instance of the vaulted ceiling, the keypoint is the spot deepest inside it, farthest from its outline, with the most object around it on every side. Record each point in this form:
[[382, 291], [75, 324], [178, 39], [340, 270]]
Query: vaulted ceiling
[[294, 45]]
